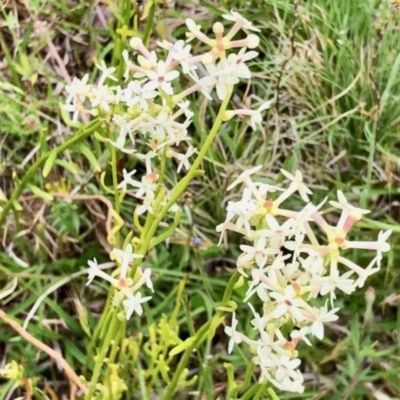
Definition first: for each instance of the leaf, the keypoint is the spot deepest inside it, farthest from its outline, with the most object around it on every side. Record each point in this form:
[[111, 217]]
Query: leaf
[[147, 8], [6, 86], [39, 192], [71, 167], [90, 157], [182, 346], [48, 165], [7, 291], [239, 283]]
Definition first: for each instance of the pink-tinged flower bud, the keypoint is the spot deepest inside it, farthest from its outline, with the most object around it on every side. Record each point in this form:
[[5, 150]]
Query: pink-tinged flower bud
[[135, 43], [253, 41], [370, 295], [151, 177], [296, 287]]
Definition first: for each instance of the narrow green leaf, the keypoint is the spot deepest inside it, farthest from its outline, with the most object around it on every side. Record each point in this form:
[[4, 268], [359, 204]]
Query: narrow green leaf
[[48, 165], [39, 192], [90, 157], [71, 167]]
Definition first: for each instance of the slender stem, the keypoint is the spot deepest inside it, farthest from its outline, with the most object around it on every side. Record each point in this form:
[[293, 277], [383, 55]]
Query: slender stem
[[86, 132], [251, 392], [184, 182], [246, 382], [201, 335], [112, 330], [202, 273], [149, 25], [114, 165]]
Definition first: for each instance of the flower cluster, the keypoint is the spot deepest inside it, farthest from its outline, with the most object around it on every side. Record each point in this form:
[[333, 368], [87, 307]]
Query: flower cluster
[[148, 108], [128, 294], [287, 266]]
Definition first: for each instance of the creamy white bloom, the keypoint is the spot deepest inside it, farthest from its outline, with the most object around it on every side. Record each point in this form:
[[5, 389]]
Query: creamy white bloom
[[288, 303], [234, 16], [133, 304], [135, 93], [125, 257], [219, 77], [162, 78], [235, 337]]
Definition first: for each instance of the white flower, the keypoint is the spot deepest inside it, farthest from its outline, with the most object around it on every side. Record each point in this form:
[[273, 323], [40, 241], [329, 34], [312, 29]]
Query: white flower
[[94, 271], [145, 279], [136, 94], [133, 303], [256, 117], [318, 317], [147, 205], [74, 108], [328, 284], [107, 72], [219, 76], [344, 205], [243, 176], [184, 158], [366, 273], [238, 65], [288, 303], [259, 252], [300, 334], [235, 337], [127, 180], [277, 232], [160, 126], [126, 257], [162, 78], [286, 368], [103, 97], [381, 245], [184, 105], [146, 275], [128, 63], [179, 51], [78, 90], [242, 209], [297, 183], [234, 16]]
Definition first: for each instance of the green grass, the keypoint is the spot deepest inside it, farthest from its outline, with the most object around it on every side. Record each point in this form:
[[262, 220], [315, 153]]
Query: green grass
[[336, 117]]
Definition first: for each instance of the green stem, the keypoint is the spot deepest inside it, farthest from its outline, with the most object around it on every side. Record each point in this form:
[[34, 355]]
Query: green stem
[[251, 392], [201, 335], [112, 331], [149, 25], [114, 164], [184, 182], [202, 273], [86, 132], [246, 382]]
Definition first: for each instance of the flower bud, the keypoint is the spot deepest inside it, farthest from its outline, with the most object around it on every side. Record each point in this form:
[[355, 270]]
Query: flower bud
[[207, 58], [253, 41], [228, 114], [135, 43], [218, 28]]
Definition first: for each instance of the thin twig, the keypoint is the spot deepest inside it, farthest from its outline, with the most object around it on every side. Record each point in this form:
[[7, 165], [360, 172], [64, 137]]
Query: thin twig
[[292, 51], [72, 376]]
